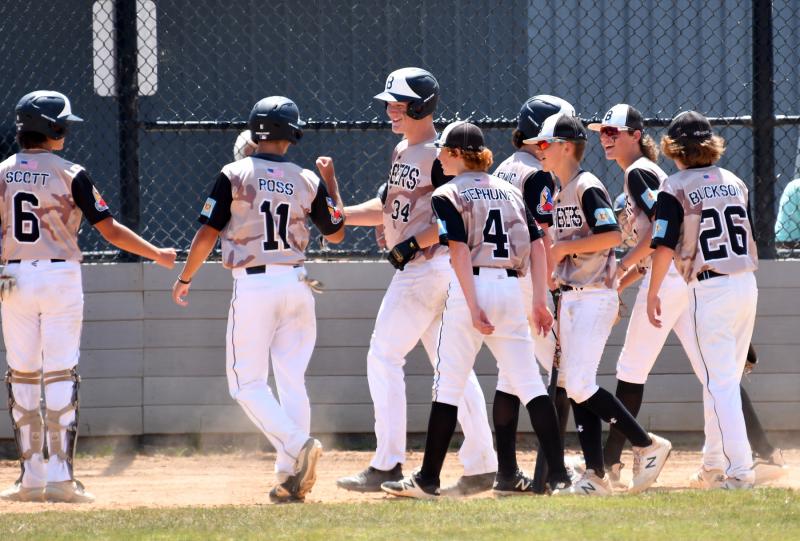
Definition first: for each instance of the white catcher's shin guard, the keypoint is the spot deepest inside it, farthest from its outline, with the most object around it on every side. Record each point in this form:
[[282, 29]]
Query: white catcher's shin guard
[[28, 427]]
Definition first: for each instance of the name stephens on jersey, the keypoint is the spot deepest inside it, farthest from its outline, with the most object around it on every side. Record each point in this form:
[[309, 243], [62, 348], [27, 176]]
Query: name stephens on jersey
[[404, 175]]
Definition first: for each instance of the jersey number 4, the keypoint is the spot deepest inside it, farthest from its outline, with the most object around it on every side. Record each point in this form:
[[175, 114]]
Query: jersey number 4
[[494, 233], [282, 215], [722, 235], [26, 223]]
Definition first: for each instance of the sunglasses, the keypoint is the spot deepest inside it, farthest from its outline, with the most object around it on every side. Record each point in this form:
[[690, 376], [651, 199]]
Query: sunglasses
[[544, 144], [611, 131]]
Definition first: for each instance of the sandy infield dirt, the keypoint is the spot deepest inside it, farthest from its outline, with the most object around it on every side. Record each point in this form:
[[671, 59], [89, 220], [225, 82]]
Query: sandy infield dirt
[[126, 481]]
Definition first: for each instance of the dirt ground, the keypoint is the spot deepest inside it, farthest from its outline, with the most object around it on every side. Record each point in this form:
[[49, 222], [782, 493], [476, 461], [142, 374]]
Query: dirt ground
[[126, 481]]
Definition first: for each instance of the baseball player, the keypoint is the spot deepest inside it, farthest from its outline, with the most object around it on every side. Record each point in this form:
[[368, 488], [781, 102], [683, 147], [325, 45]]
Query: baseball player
[[702, 221], [493, 240], [258, 208], [624, 141], [413, 304], [524, 171], [43, 199], [585, 234]]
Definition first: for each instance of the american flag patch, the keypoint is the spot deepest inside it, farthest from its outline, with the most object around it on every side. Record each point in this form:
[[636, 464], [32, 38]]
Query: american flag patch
[[28, 164], [275, 172]]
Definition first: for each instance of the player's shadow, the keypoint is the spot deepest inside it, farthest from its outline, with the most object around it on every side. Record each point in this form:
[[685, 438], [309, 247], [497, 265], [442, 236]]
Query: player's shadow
[[121, 460]]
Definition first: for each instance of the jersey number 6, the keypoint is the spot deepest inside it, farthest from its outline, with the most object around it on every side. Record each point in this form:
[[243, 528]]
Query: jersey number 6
[[26, 223]]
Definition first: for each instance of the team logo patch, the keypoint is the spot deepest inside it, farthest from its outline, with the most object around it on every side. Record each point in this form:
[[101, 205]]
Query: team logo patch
[[545, 205], [99, 202], [604, 216], [442, 227], [208, 207], [336, 214], [659, 229], [649, 197]]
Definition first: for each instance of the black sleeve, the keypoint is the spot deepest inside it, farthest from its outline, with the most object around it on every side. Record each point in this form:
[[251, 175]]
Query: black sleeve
[[216, 211], [88, 199], [533, 228], [598, 211], [324, 213], [438, 178], [667, 225], [537, 190], [643, 186], [451, 224]]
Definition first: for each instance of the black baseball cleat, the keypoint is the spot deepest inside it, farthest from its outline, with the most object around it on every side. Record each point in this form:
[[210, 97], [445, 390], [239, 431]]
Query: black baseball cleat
[[371, 479], [515, 485], [467, 485], [559, 482], [411, 487]]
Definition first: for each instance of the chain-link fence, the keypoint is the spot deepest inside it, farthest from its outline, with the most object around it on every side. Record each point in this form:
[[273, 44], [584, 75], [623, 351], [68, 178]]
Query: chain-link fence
[[165, 87]]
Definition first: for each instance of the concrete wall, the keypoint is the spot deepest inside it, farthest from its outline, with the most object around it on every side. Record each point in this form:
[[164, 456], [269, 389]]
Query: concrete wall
[[150, 367]]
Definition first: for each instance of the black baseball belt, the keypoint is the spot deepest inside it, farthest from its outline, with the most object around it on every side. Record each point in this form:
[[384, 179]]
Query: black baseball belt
[[706, 274]]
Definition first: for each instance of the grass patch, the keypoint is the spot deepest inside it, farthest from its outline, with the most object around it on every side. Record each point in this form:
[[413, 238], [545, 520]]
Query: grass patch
[[763, 514]]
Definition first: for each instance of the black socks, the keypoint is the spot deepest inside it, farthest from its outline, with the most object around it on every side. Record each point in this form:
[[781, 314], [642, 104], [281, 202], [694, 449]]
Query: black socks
[[608, 408], [630, 395], [441, 425], [505, 414]]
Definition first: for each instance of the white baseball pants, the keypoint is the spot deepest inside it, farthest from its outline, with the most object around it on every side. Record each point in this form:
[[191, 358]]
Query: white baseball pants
[[723, 311], [411, 310], [42, 321], [501, 299], [643, 341], [272, 316], [544, 346], [585, 320]]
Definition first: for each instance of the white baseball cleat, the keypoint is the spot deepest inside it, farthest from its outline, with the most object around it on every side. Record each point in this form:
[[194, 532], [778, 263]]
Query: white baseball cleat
[[306, 467], [614, 474], [19, 493], [740, 482], [588, 484], [771, 469], [707, 479], [410, 487], [68, 492], [648, 463]]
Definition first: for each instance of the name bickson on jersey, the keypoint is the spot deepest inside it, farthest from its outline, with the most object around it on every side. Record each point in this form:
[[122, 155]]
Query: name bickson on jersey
[[490, 194], [713, 192], [404, 175], [27, 177], [567, 217], [277, 186]]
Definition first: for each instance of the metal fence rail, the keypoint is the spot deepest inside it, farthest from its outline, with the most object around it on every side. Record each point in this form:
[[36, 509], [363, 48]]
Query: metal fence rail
[[165, 87]]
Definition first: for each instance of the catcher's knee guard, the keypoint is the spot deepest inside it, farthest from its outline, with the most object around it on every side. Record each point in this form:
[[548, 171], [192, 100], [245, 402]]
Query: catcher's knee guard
[[64, 450], [32, 418]]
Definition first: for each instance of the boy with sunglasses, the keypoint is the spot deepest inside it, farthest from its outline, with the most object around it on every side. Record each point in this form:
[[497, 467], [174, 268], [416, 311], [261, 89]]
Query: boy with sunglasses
[[585, 233]]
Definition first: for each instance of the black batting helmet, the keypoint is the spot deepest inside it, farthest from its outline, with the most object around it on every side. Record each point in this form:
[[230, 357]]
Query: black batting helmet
[[534, 112], [45, 112], [275, 118], [414, 86]]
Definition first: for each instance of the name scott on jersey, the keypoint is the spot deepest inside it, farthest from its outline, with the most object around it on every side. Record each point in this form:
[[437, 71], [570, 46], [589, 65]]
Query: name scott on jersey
[[27, 177], [404, 175], [716, 191]]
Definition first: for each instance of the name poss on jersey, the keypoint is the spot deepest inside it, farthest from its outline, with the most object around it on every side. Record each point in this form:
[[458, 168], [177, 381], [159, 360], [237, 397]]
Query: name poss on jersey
[[404, 175], [568, 216], [277, 186], [27, 177], [715, 191]]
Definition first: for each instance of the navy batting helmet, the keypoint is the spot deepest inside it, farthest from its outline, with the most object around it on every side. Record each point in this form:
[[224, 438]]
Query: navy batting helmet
[[275, 118], [414, 86], [46, 112], [619, 202], [534, 112]]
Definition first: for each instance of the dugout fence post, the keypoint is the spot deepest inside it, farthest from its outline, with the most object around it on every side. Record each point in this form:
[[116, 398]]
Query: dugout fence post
[[128, 115], [763, 130]]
